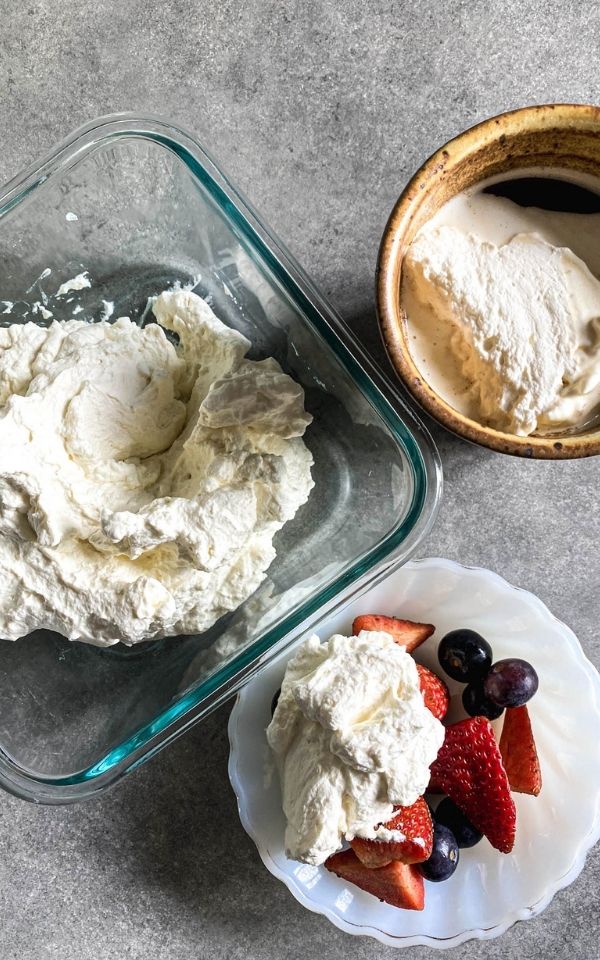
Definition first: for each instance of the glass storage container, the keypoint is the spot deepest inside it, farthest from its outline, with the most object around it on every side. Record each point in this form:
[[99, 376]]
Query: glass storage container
[[140, 206]]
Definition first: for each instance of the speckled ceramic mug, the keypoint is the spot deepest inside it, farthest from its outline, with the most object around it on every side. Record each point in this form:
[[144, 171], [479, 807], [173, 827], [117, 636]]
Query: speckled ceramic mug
[[563, 136]]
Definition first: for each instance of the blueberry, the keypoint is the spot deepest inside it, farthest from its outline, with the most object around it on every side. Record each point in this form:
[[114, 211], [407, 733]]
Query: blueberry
[[465, 655], [275, 700], [451, 816], [477, 704], [510, 683], [444, 856]]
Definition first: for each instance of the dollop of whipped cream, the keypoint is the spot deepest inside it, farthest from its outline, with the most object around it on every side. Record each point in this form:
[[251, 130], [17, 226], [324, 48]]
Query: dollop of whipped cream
[[142, 476], [526, 322], [352, 737]]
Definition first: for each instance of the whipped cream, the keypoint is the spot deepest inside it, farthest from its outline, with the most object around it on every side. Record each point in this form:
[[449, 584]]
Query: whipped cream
[[141, 480], [504, 321], [80, 282], [351, 737]]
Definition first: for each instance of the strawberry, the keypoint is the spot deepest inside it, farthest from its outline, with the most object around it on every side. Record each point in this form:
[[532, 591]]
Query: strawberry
[[435, 692], [414, 823], [469, 769], [406, 633], [519, 752], [399, 884]]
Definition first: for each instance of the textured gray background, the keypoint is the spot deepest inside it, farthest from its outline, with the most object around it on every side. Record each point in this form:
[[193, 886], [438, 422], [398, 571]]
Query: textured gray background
[[320, 111]]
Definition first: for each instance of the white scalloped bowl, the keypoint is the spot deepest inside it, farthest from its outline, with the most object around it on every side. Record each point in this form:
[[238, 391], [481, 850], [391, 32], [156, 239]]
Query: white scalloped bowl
[[489, 891]]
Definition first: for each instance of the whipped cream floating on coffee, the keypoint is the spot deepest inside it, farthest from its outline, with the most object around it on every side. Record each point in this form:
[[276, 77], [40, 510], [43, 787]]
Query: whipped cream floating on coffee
[[503, 312]]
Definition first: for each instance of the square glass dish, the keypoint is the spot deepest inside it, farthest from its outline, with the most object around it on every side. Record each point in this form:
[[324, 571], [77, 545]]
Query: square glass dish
[[140, 206]]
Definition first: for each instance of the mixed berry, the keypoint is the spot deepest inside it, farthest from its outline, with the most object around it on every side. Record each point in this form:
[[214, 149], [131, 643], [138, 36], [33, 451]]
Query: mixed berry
[[443, 861], [465, 655], [451, 816], [476, 773]]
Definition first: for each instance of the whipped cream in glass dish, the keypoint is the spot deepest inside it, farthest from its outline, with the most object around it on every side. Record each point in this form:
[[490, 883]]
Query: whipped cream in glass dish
[[143, 473]]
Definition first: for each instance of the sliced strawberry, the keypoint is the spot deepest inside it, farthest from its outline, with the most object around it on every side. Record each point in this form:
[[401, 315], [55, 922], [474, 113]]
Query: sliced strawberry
[[406, 633], [469, 769], [399, 884], [435, 692], [519, 752], [373, 853], [414, 823]]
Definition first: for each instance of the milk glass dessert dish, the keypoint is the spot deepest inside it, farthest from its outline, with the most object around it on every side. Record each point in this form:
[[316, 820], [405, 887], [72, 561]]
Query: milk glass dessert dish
[[489, 283], [126, 209], [497, 880]]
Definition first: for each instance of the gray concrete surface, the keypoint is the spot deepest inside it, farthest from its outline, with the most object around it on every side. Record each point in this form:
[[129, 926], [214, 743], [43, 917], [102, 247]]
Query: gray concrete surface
[[320, 111]]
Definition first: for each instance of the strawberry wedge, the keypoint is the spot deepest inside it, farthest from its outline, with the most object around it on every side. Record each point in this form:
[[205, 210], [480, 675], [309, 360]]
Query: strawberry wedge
[[519, 752], [398, 884], [469, 769], [406, 633], [435, 692], [413, 842]]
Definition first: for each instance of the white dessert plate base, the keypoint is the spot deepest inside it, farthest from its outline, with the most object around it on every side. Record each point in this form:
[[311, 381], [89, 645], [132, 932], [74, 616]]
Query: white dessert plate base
[[489, 891]]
